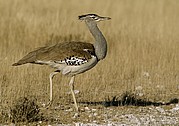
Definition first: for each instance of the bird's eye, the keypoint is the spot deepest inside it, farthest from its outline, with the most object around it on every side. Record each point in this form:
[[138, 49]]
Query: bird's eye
[[95, 18]]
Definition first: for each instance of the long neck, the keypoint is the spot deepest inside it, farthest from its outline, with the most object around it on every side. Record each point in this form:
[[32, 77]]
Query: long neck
[[100, 44]]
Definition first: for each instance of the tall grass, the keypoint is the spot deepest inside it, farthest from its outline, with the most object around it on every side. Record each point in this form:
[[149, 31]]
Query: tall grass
[[143, 48]]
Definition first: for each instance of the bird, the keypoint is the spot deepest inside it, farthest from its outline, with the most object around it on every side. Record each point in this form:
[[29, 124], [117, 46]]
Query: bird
[[71, 58]]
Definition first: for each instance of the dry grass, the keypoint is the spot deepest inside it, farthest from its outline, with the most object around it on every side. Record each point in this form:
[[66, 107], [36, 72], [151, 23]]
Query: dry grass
[[143, 53]]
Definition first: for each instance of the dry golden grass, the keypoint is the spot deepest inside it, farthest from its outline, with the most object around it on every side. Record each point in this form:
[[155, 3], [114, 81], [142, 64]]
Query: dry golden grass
[[143, 48]]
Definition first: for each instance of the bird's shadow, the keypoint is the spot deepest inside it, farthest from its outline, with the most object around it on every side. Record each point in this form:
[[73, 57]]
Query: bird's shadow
[[129, 99]]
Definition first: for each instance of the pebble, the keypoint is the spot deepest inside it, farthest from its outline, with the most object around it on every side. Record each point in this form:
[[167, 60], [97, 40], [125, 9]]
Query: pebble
[[176, 108], [161, 110], [87, 108], [76, 115], [69, 110], [43, 105], [95, 114]]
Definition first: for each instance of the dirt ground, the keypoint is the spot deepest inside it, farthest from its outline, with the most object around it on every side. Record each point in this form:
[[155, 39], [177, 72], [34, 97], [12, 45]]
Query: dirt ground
[[124, 116], [98, 115]]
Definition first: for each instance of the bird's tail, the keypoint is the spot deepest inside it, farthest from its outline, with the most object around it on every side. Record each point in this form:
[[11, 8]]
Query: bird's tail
[[16, 64]]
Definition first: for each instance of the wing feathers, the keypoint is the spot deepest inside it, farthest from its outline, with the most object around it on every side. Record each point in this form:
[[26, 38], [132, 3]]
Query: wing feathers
[[59, 52]]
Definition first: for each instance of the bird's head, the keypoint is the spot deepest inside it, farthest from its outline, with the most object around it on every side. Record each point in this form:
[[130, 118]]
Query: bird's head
[[93, 17]]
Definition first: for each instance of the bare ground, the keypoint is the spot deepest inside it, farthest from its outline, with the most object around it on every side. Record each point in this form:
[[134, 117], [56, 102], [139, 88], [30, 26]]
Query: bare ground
[[90, 115]]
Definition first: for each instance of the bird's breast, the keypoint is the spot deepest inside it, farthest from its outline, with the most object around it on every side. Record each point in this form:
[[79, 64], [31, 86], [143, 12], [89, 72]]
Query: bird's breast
[[78, 66], [72, 65]]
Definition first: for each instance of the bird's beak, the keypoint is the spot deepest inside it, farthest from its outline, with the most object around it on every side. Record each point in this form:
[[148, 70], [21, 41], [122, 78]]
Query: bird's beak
[[105, 18]]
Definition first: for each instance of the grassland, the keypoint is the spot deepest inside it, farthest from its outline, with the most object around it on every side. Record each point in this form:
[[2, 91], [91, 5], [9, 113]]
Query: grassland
[[143, 48]]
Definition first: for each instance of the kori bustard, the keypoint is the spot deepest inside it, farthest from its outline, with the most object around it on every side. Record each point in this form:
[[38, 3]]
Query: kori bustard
[[71, 58]]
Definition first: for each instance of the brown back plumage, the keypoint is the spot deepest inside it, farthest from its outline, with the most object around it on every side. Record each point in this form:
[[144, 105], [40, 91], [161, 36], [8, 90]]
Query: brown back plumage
[[59, 52]]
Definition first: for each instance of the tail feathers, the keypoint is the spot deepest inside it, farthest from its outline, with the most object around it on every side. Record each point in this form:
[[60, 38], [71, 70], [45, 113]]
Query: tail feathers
[[29, 58], [20, 62], [16, 64]]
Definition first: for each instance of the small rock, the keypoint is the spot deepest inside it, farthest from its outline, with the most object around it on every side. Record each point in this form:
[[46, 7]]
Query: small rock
[[82, 110], [76, 115], [95, 114], [160, 109], [75, 92], [78, 124], [140, 94], [94, 121], [43, 105], [94, 110], [91, 115], [175, 109], [87, 109], [69, 110]]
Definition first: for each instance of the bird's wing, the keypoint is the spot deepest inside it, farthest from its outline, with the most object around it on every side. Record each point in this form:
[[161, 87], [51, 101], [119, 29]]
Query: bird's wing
[[59, 52]]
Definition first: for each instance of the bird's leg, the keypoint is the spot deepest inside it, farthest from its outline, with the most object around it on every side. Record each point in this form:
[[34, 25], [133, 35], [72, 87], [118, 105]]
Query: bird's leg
[[51, 87], [71, 84]]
